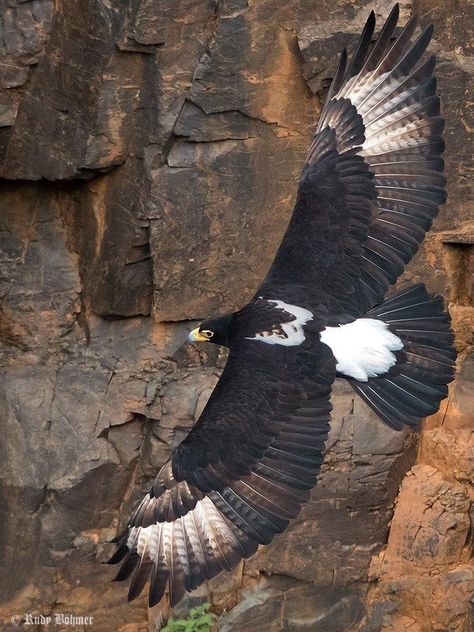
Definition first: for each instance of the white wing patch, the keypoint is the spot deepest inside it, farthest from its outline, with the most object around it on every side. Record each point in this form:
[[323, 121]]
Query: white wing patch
[[362, 348], [287, 334], [204, 521]]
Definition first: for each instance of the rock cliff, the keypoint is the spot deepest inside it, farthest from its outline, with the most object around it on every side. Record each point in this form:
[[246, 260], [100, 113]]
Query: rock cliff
[[150, 154]]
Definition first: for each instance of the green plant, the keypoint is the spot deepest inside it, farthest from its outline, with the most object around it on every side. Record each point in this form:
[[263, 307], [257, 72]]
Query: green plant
[[199, 620]]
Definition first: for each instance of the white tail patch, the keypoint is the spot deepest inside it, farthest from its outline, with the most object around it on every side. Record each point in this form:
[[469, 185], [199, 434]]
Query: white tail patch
[[362, 348]]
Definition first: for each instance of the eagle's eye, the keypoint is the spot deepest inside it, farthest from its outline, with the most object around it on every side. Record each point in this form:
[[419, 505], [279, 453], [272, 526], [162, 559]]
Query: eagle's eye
[[208, 333]]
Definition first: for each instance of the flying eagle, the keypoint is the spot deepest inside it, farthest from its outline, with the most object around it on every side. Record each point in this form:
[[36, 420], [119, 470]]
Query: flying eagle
[[369, 190]]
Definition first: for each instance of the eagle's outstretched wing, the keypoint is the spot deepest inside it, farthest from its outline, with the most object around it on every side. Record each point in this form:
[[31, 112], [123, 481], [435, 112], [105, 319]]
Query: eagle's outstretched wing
[[372, 182], [244, 470], [368, 193]]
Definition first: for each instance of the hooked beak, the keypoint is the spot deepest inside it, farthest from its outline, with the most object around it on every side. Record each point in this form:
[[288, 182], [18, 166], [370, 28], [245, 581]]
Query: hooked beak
[[196, 336]]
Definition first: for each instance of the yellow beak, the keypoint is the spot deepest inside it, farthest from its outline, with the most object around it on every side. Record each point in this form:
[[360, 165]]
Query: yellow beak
[[196, 336]]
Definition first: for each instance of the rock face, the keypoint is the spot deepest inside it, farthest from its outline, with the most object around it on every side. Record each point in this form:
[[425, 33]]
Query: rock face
[[151, 151]]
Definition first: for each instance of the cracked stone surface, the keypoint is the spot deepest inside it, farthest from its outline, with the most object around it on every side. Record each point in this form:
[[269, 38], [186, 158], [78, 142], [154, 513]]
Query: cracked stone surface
[[150, 155]]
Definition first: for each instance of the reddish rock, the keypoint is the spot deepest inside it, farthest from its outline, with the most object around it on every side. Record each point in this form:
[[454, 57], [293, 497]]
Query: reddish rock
[[151, 151]]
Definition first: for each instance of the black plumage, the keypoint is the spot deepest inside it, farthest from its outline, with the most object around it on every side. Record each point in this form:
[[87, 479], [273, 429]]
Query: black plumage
[[370, 188]]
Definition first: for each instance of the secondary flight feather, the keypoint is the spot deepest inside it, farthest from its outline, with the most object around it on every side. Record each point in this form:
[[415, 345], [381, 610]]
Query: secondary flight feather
[[369, 190]]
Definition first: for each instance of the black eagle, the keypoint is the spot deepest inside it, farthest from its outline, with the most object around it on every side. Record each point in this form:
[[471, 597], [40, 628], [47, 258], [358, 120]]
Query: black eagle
[[370, 188]]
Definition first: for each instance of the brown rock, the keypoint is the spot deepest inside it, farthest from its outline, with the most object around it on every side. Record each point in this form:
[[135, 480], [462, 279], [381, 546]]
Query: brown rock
[[448, 439], [422, 566], [152, 150], [430, 524], [259, 610]]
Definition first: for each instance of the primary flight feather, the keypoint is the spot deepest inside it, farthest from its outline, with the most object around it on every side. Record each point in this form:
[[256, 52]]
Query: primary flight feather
[[370, 188]]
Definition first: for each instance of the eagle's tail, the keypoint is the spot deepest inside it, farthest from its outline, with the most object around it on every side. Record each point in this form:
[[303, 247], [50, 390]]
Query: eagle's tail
[[416, 385]]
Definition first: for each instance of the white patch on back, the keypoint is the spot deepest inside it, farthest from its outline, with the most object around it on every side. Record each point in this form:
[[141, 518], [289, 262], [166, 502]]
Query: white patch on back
[[362, 348], [293, 330]]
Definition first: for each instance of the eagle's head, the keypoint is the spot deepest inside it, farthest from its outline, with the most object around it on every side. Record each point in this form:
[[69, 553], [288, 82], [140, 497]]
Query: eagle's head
[[216, 330]]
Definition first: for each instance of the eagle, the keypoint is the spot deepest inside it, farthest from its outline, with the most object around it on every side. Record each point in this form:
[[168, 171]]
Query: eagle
[[369, 190]]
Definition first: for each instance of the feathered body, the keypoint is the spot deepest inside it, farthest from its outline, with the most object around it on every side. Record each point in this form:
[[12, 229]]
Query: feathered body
[[370, 188]]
